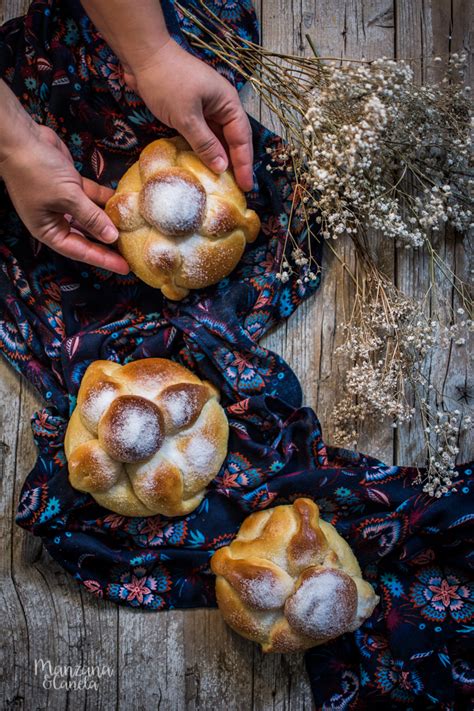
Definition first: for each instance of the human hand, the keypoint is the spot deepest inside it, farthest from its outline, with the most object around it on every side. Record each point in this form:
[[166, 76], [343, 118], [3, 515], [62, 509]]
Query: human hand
[[191, 97], [56, 204]]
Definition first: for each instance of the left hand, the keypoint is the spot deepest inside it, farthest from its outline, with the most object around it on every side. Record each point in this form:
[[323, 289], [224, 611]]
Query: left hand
[[58, 206]]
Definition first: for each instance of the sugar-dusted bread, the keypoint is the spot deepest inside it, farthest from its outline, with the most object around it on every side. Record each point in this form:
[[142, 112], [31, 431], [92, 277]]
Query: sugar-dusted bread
[[180, 225], [145, 438], [289, 581]]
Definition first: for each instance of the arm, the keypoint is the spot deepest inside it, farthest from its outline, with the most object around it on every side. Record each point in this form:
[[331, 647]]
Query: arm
[[180, 90], [47, 191]]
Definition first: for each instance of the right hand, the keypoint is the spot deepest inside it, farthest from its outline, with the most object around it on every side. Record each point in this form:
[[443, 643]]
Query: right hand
[[188, 95], [56, 204]]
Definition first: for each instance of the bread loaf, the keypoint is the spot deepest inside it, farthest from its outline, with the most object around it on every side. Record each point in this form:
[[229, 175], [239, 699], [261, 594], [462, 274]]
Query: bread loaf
[[145, 438], [180, 225], [289, 581]]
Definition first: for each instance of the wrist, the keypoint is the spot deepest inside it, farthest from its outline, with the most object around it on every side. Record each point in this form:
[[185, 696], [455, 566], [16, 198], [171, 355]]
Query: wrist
[[17, 128], [138, 69], [14, 143], [135, 33]]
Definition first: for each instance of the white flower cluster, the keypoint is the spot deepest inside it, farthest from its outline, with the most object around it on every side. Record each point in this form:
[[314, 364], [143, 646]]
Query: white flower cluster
[[445, 426], [376, 150], [387, 343], [300, 263], [380, 151]]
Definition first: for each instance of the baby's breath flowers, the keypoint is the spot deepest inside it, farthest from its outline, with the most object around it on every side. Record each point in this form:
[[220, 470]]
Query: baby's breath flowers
[[371, 135], [368, 148], [387, 341], [299, 261]]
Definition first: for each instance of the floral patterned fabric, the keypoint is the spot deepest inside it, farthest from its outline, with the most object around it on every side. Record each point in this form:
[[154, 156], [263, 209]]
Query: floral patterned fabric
[[58, 316]]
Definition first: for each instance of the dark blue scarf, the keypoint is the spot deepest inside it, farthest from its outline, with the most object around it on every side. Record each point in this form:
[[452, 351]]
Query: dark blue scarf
[[58, 316]]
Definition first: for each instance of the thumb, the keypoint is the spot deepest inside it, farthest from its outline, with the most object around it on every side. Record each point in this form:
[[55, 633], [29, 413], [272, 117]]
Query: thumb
[[92, 219], [206, 144], [97, 193]]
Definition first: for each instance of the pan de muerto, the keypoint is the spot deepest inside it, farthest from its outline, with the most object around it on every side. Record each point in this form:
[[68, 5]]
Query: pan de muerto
[[289, 581], [145, 438], [180, 225]]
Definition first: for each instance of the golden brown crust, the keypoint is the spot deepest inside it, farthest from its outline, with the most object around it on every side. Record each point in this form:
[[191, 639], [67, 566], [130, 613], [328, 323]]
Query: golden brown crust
[[131, 181], [158, 155], [123, 210], [145, 438], [181, 404], [222, 217], [309, 542], [284, 639], [163, 258], [91, 468], [247, 623], [260, 584], [158, 486], [181, 226], [289, 581]]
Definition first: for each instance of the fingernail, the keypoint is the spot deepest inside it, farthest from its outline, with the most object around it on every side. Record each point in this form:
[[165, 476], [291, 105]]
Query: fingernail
[[109, 234], [219, 165]]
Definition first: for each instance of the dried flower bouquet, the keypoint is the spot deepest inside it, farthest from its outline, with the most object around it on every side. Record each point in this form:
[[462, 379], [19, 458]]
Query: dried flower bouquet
[[370, 149]]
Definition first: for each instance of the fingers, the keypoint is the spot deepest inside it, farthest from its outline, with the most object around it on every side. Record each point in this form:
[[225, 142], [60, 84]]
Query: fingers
[[71, 243], [238, 136], [229, 120], [235, 128], [205, 143], [228, 113], [76, 246], [90, 216], [97, 193]]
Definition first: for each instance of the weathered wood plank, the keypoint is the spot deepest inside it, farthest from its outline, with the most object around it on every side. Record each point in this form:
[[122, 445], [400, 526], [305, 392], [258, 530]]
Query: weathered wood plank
[[150, 661], [45, 615], [435, 29], [219, 666], [12, 8], [12, 618], [63, 624], [350, 28]]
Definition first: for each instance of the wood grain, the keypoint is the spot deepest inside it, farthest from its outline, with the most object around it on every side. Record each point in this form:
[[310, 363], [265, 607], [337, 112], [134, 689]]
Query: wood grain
[[190, 659]]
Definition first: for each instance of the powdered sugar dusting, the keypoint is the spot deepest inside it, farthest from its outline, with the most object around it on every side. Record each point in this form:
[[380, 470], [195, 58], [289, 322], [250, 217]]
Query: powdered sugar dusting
[[199, 462], [191, 451], [180, 406], [162, 255], [318, 594], [263, 592], [134, 432], [323, 605], [95, 404], [170, 453], [133, 427], [195, 260], [174, 206], [149, 385], [127, 205], [200, 453]]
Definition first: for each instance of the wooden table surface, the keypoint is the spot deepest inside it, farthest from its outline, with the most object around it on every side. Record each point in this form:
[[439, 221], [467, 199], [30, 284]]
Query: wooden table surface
[[189, 659]]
